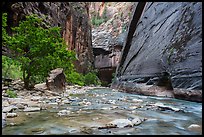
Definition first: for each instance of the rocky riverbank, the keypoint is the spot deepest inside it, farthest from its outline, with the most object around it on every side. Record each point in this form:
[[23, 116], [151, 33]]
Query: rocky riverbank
[[37, 99]]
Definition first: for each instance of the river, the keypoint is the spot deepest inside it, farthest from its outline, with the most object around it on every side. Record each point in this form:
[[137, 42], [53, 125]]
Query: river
[[163, 116]]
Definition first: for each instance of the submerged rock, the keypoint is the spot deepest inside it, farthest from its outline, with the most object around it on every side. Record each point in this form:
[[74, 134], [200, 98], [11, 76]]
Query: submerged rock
[[63, 112], [120, 123]]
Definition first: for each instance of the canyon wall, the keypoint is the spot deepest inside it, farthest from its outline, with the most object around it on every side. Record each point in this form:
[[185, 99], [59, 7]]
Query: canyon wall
[[108, 37], [163, 49], [72, 17]]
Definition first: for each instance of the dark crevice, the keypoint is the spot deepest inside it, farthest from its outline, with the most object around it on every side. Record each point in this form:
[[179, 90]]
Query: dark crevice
[[132, 27]]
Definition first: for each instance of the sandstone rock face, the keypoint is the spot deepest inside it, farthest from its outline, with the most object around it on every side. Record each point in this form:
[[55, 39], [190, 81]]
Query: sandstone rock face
[[72, 17], [108, 38], [166, 39], [56, 80]]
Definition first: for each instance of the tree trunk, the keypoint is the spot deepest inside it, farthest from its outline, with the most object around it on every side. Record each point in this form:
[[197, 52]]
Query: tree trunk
[[26, 79]]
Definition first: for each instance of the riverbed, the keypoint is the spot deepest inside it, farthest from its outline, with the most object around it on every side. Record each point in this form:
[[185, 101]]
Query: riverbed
[[90, 112]]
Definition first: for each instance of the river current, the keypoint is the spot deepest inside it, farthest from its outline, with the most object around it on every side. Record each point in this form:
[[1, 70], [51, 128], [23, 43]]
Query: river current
[[163, 116]]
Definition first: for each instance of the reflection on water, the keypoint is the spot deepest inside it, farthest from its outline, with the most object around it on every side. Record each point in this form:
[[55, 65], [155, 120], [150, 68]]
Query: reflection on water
[[107, 105]]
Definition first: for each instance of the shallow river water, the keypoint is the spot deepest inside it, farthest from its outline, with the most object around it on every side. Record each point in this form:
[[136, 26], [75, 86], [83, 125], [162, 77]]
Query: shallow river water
[[101, 106]]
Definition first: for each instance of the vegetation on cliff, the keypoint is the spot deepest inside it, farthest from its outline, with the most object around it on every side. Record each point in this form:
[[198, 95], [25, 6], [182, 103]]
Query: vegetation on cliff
[[37, 51]]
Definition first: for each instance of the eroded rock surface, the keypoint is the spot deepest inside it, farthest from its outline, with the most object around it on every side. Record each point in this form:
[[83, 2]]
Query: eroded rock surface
[[56, 80], [167, 38]]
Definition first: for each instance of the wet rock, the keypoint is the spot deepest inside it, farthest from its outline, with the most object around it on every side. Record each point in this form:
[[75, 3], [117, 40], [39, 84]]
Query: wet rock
[[121, 123], [136, 121], [52, 103], [9, 108], [137, 100], [195, 127], [11, 115], [31, 109], [165, 107], [174, 31], [86, 130], [11, 124], [66, 101], [63, 112], [38, 130]]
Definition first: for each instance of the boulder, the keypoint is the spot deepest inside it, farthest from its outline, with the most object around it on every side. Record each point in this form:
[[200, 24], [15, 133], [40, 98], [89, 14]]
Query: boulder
[[121, 123], [56, 80], [41, 86]]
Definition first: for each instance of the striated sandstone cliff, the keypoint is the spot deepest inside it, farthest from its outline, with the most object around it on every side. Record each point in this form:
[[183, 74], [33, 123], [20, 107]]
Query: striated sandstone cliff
[[72, 17], [108, 37], [163, 50]]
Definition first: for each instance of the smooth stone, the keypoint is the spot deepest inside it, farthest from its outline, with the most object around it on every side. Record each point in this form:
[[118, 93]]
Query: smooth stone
[[64, 112], [11, 115], [121, 123], [136, 121], [9, 108], [31, 109], [193, 126], [36, 98]]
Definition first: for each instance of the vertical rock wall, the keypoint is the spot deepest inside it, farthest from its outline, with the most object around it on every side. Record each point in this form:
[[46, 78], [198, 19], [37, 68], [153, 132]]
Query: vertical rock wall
[[167, 40]]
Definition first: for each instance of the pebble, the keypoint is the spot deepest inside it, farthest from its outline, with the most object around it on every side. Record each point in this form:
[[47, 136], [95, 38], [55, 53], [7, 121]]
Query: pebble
[[193, 126], [11, 115], [31, 109], [35, 98], [64, 112]]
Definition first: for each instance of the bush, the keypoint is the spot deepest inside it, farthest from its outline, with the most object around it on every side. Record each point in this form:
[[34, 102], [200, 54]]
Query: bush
[[11, 94], [97, 21], [38, 49], [11, 68], [91, 78], [75, 78]]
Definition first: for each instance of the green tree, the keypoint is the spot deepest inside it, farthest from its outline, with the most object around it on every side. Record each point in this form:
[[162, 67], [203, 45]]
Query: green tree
[[38, 49]]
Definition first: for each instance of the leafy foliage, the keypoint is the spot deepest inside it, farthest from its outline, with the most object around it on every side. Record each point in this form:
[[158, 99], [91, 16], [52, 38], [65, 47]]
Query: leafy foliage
[[91, 78], [39, 50], [75, 78], [11, 68], [97, 20], [87, 79], [11, 94]]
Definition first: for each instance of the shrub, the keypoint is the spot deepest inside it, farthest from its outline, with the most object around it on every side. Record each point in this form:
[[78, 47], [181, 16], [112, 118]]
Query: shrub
[[11, 94], [91, 78], [38, 49], [11, 68], [75, 78]]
